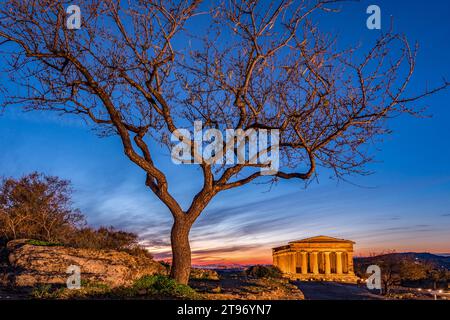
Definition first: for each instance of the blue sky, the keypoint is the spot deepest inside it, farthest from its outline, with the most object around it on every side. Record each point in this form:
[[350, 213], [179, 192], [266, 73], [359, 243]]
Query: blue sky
[[404, 205]]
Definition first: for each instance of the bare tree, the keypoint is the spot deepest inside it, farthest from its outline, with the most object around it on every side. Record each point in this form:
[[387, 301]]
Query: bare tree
[[143, 69]]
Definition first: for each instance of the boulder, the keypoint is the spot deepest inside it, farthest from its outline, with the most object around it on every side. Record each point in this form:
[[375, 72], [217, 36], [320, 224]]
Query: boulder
[[31, 265]]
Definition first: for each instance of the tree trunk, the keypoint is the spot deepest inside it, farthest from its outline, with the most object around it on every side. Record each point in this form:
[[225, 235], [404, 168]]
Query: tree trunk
[[181, 252]]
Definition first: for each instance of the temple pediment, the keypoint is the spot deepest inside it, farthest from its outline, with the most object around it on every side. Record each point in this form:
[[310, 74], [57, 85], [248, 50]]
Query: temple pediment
[[322, 239]]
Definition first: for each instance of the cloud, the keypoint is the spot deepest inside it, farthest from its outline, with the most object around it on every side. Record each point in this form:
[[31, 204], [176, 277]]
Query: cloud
[[155, 242], [222, 250]]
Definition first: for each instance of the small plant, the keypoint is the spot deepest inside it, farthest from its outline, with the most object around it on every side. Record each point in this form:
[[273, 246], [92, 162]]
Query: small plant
[[163, 285], [89, 284], [45, 291], [165, 264]]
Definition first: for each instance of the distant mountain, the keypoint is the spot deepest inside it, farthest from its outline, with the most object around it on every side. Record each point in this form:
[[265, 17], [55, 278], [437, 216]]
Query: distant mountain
[[440, 261], [443, 254], [227, 267], [222, 266]]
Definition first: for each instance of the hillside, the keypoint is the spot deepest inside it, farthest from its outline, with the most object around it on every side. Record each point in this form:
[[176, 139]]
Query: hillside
[[39, 271]]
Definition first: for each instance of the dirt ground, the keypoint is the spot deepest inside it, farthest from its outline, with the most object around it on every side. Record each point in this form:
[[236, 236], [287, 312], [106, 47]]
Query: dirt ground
[[335, 291], [236, 286]]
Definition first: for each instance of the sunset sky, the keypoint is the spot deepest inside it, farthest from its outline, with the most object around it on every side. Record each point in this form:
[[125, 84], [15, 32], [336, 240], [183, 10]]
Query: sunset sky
[[403, 206]]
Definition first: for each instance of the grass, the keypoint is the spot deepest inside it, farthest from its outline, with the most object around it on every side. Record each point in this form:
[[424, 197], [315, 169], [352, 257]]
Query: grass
[[153, 287], [46, 291], [41, 243]]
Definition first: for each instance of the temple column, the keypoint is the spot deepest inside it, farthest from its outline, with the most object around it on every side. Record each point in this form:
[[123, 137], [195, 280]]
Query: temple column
[[350, 262], [315, 262], [327, 263], [287, 267], [293, 263], [304, 262], [339, 262]]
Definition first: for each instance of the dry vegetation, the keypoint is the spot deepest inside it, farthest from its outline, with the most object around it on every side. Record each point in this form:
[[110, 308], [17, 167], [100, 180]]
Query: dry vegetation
[[39, 207]]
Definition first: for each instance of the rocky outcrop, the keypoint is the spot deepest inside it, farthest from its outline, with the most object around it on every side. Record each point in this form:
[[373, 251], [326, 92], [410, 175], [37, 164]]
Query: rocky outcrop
[[30, 265], [203, 274]]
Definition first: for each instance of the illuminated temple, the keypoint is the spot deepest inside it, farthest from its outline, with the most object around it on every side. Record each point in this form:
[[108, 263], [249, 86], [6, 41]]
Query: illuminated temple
[[316, 259]]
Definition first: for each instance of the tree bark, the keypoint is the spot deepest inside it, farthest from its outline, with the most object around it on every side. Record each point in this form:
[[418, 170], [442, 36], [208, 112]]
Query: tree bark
[[181, 252]]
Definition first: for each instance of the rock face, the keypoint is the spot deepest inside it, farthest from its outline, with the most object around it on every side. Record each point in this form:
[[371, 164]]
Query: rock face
[[32, 265]]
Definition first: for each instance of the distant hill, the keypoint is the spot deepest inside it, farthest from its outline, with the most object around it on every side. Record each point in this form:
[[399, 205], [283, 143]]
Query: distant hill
[[222, 266], [439, 261], [228, 267]]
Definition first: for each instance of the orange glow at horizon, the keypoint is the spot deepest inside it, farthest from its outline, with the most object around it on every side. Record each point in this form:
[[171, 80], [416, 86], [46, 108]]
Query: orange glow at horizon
[[263, 255]]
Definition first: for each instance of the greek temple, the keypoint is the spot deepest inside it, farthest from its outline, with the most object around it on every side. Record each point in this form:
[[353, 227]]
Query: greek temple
[[319, 258]]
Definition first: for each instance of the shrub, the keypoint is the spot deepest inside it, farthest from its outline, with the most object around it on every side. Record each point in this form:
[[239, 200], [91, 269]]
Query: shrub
[[37, 206], [163, 285], [107, 238], [102, 238], [139, 251], [263, 272], [166, 265]]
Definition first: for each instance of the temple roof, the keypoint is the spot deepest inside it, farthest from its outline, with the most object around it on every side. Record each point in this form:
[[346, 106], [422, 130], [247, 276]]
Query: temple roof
[[321, 239]]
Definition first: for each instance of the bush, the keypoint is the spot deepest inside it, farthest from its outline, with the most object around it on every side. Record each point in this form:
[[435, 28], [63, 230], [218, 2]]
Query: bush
[[138, 251], [263, 272], [163, 285], [166, 265], [37, 206], [109, 239]]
